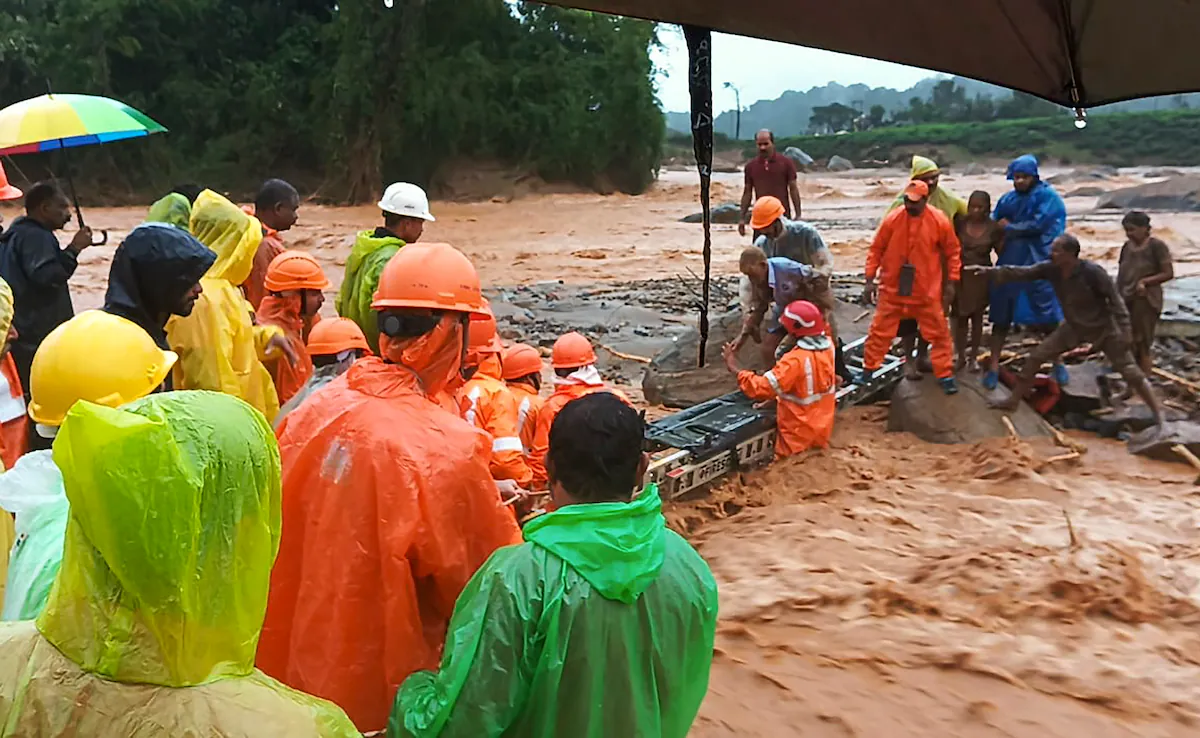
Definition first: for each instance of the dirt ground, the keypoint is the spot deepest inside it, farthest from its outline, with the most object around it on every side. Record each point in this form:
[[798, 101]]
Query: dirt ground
[[885, 587]]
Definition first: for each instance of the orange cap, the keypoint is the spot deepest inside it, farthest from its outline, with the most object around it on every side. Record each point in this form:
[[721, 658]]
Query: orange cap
[[335, 335], [916, 190], [572, 350], [482, 337], [295, 270], [7, 191], [766, 211], [520, 360], [434, 276]]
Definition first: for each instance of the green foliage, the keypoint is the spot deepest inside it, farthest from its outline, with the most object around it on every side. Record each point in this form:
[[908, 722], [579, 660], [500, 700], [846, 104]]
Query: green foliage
[[1120, 139], [948, 103], [347, 96]]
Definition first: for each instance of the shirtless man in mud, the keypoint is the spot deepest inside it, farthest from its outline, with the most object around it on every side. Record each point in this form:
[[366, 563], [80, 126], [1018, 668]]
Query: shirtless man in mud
[[1093, 312]]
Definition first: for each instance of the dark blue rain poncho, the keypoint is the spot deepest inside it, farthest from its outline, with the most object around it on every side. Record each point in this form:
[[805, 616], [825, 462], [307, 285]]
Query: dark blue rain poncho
[[1035, 219]]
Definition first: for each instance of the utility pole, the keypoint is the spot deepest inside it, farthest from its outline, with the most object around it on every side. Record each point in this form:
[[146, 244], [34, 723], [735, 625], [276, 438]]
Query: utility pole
[[737, 97]]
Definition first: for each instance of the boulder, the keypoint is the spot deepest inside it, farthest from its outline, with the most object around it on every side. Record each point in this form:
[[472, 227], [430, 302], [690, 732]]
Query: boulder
[[1177, 194], [1161, 173], [974, 169], [802, 160], [1086, 192], [1158, 445], [728, 213], [922, 409], [673, 378], [839, 164]]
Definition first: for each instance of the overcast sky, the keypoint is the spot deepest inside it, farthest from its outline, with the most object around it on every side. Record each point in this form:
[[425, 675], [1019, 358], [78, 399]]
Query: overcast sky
[[762, 70]]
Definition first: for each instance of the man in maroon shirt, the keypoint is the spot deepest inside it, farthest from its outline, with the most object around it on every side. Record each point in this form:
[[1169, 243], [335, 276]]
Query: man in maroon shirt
[[769, 173]]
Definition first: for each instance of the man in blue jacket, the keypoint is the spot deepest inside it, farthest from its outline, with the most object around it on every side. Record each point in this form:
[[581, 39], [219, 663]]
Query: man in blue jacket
[[1032, 215]]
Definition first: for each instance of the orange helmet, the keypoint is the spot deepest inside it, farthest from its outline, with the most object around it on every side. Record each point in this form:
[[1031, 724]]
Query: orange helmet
[[766, 211], [7, 191], [295, 270], [335, 335], [482, 336], [520, 360], [434, 276], [572, 350]]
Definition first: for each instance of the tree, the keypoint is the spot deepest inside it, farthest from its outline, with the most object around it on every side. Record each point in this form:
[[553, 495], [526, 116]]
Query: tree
[[875, 117], [832, 118]]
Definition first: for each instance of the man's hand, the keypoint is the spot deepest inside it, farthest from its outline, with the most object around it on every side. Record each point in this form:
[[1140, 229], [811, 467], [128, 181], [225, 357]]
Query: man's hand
[[1140, 289], [81, 240], [972, 269], [281, 344], [509, 490], [741, 228], [949, 292], [870, 292], [729, 354], [1003, 222]]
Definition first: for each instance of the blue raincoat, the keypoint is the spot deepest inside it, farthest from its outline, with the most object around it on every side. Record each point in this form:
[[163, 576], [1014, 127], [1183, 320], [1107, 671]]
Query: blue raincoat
[[1035, 219]]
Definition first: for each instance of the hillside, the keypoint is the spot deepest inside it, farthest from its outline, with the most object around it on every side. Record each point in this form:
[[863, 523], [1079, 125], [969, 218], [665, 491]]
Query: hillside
[[788, 115], [1119, 139]]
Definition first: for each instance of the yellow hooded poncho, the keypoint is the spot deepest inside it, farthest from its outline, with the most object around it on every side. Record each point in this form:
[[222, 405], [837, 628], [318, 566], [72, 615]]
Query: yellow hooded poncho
[[173, 209], [941, 198], [7, 531], [153, 621], [219, 346]]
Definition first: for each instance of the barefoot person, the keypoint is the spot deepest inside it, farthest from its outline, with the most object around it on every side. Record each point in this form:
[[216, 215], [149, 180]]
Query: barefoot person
[[979, 236], [1093, 313], [769, 174], [1145, 267]]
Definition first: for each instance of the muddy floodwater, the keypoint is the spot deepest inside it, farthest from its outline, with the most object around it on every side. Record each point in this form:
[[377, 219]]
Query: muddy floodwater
[[885, 587]]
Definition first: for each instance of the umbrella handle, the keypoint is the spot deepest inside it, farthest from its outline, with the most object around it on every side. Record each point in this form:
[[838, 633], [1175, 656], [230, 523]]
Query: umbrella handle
[[103, 238]]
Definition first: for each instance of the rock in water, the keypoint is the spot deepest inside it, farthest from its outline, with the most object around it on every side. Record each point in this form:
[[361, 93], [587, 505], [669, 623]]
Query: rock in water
[[673, 379], [1158, 446], [839, 164], [1086, 192], [728, 213], [802, 160], [922, 409], [974, 169], [1176, 193]]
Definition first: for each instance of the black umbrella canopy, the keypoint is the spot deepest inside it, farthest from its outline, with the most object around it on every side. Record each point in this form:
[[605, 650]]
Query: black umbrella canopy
[[1077, 53]]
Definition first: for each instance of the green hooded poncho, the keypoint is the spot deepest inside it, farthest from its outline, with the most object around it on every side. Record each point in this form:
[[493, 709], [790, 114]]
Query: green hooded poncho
[[371, 253], [601, 624], [174, 209]]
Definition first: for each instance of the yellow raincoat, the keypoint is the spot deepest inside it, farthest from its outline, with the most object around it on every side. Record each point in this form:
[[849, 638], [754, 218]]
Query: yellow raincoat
[[941, 198], [154, 619], [219, 346]]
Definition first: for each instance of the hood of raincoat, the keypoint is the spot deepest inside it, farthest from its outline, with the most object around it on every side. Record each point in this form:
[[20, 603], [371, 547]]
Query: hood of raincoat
[[368, 242], [174, 209], [174, 527], [922, 166], [436, 357], [6, 309], [232, 234], [151, 271], [1025, 164], [618, 547]]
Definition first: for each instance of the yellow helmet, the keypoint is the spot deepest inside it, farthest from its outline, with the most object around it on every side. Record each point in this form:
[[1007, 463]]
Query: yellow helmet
[[98, 357]]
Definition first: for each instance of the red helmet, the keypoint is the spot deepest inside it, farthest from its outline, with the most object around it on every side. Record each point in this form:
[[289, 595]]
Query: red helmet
[[802, 318]]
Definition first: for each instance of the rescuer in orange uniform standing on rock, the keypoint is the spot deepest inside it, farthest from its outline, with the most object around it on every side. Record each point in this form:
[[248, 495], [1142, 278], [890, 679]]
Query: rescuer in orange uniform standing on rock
[[907, 255], [388, 503], [488, 404], [522, 366], [803, 382], [294, 282], [574, 362]]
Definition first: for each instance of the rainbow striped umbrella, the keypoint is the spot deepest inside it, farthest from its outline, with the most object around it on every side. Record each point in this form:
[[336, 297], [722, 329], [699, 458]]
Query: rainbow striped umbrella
[[57, 121]]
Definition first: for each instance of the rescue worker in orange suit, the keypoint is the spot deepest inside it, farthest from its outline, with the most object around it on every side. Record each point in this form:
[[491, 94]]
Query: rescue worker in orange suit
[[803, 382], [14, 423], [334, 344], [487, 403], [389, 506], [575, 375], [522, 367], [294, 282], [907, 255]]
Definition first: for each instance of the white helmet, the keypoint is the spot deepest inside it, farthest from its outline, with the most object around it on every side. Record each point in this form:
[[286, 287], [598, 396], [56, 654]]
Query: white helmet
[[402, 198]]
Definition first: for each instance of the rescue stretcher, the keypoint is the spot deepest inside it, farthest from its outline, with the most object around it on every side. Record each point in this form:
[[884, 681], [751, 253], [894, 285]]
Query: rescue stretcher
[[700, 445]]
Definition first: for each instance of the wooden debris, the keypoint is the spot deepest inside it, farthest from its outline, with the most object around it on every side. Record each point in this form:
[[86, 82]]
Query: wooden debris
[[1012, 429], [1061, 439], [860, 316], [1072, 456], [625, 356], [1186, 454], [1073, 542], [1176, 379]]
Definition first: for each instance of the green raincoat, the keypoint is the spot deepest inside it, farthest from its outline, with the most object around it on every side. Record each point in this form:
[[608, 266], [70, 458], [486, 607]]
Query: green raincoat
[[174, 209], [600, 625], [371, 253], [153, 621]]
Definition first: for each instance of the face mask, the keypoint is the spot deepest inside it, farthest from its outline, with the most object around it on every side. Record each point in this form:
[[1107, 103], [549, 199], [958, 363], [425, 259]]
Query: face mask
[[435, 357]]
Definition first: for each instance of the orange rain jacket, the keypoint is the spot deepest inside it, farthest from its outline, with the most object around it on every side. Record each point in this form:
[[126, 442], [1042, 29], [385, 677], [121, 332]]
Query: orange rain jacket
[[563, 394], [529, 404], [488, 403], [804, 385], [388, 509], [923, 241], [284, 313], [14, 423], [271, 246]]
